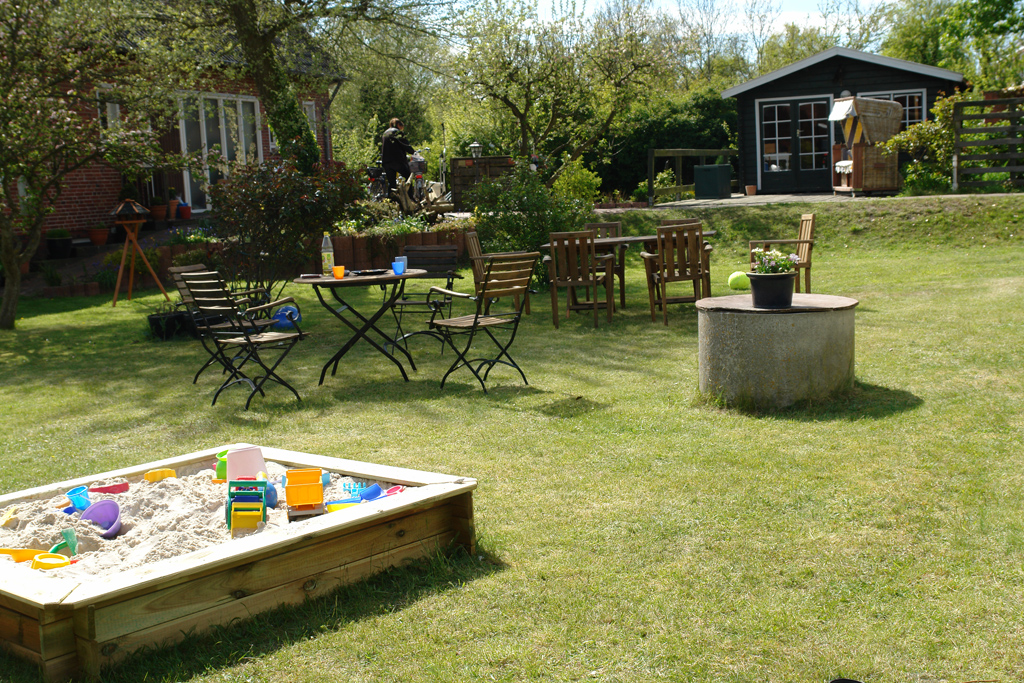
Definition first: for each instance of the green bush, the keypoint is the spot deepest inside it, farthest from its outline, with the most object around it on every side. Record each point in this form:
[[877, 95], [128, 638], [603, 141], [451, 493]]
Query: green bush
[[663, 180], [578, 182], [271, 218], [196, 257], [516, 212], [113, 261]]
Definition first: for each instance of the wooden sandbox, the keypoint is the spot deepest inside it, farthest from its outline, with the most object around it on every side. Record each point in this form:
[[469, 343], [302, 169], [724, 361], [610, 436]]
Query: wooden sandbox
[[72, 625]]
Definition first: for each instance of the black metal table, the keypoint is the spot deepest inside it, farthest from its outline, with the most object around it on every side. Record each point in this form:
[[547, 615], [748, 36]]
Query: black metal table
[[397, 287]]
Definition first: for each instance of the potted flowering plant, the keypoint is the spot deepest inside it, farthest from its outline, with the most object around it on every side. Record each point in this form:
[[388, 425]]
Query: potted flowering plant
[[771, 278]]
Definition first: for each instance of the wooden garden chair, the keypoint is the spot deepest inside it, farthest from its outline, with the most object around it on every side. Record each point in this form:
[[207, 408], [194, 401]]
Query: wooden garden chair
[[574, 263], [804, 245], [476, 261], [241, 344], [504, 284], [681, 256], [199, 324], [613, 229]]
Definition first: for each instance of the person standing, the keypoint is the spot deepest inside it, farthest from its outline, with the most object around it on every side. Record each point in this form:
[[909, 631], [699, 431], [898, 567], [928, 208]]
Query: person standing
[[395, 151]]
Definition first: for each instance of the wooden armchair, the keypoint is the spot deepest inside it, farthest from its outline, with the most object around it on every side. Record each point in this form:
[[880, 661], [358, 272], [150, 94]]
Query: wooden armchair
[[239, 345], [681, 256], [613, 229], [505, 276], [476, 261], [202, 324], [575, 263], [804, 245]]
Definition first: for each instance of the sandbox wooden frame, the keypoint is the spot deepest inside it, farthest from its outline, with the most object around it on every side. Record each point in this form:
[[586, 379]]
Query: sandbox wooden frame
[[70, 626]]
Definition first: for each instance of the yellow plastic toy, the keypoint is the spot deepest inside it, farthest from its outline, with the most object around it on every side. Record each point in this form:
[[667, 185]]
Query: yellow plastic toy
[[21, 554], [160, 475], [304, 492], [50, 561], [246, 516], [8, 515]]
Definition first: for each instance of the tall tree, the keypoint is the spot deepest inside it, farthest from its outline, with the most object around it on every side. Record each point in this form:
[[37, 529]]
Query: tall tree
[[566, 80], [760, 16], [52, 56]]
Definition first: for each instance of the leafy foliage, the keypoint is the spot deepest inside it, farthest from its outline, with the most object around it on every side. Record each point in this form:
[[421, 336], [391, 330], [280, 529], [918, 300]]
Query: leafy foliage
[[773, 261], [271, 217], [52, 55], [517, 212], [577, 182], [931, 145]]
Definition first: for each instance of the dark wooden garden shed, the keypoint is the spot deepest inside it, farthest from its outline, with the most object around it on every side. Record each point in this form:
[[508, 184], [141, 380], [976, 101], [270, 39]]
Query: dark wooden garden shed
[[785, 137]]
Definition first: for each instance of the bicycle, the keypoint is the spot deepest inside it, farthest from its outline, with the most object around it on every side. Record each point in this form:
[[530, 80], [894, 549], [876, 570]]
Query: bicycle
[[379, 190]]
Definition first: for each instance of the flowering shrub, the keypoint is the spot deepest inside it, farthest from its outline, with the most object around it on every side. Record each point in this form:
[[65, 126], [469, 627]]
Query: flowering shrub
[[773, 261]]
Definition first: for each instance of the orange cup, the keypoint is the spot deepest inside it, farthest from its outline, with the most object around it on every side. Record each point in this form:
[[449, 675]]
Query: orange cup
[[339, 272]]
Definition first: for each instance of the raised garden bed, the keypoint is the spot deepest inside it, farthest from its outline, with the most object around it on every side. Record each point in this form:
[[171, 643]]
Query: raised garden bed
[[72, 625]]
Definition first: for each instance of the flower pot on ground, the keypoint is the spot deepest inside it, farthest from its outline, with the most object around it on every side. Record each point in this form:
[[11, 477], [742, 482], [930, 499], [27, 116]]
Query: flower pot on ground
[[166, 324], [172, 209], [158, 212], [184, 212], [58, 244], [99, 235]]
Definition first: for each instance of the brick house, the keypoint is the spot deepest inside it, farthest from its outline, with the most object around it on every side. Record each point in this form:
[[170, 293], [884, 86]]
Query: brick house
[[227, 112]]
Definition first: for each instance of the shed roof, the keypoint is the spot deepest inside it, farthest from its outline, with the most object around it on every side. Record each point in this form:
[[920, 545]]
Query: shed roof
[[891, 62]]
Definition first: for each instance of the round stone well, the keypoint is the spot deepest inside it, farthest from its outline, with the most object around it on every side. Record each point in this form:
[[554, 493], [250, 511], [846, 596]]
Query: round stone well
[[772, 358]]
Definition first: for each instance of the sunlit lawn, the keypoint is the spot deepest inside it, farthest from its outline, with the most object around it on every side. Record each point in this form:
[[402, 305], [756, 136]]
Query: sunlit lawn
[[627, 530]]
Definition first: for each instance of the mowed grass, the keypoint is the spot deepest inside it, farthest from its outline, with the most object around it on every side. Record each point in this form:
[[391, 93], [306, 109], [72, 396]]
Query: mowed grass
[[628, 531]]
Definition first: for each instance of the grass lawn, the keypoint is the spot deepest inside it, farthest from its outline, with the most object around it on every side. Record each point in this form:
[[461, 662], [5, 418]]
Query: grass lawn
[[627, 530]]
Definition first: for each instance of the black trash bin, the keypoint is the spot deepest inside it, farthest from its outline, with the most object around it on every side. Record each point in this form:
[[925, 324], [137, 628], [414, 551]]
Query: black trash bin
[[712, 181]]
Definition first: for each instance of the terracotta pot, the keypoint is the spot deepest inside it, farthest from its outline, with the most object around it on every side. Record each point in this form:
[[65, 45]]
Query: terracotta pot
[[751, 190], [99, 236], [172, 209], [158, 212], [185, 212]]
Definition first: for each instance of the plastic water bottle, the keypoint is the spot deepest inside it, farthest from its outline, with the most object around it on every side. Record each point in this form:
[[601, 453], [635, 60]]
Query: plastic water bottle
[[327, 252]]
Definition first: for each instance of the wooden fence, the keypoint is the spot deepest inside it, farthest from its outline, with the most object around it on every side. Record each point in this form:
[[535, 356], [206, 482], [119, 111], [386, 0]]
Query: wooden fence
[[987, 139], [677, 155]]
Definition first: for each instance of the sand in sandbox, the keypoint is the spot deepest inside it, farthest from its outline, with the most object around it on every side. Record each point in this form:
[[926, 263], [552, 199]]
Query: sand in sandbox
[[159, 520]]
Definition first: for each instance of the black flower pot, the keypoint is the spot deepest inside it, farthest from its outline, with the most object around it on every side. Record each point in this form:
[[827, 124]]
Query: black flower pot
[[772, 290], [165, 325], [58, 247]]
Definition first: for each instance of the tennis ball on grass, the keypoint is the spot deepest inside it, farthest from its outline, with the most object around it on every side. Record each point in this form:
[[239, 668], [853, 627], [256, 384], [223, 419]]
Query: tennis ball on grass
[[739, 280]]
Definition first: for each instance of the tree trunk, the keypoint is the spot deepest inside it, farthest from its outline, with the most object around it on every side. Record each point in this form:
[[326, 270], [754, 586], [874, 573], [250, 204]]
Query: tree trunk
[[286, 116], [12, 287]]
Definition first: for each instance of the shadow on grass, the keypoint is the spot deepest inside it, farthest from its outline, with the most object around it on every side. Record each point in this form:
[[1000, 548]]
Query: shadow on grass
[[862, 402], [263, 634]]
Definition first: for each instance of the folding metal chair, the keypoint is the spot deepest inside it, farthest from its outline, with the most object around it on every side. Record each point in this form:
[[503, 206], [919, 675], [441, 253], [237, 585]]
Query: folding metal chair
[[505, 276], [241, 342]]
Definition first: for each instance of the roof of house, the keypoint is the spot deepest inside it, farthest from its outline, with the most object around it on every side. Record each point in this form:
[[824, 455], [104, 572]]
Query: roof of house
[[891, 62]]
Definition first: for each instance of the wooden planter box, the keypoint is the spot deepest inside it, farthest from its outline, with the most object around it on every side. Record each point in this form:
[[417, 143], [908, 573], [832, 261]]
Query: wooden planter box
[[71, 625]]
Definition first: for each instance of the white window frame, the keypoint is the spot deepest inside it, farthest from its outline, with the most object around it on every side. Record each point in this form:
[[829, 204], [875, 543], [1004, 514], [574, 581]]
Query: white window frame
[[773, 100], [309, 109], [890, 94], [202, 97], [108, 113]]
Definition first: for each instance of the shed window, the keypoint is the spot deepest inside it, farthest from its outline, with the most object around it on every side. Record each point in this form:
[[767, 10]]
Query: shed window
[[913, 104], [776, 137], [814, 136]]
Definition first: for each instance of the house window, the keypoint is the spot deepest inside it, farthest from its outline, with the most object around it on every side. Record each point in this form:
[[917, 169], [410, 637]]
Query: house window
[[107, 109], [913, 104], [310, 109], [776, 136], [228, 124]]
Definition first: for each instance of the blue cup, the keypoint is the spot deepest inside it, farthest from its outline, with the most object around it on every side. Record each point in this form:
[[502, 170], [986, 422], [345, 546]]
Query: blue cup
[[79, 497], [398, 267]]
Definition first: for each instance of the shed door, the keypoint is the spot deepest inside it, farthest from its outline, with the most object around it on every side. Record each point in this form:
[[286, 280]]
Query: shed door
[[795, 146]]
